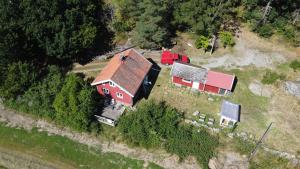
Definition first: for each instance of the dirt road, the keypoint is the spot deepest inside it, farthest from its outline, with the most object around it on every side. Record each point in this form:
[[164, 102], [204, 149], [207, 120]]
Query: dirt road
[[161, 158]]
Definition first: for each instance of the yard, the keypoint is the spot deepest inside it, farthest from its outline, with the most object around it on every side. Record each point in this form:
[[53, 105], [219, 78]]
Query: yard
[[249, 60]]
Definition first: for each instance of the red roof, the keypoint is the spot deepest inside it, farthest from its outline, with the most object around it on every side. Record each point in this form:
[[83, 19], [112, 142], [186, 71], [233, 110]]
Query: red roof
[[220, 80], [128, 73]]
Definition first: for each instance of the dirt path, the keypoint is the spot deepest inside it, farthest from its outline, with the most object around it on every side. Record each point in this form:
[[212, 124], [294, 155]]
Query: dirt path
[[161, 158]]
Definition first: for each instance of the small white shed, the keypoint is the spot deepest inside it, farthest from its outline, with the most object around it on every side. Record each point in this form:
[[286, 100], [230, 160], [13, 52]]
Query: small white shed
[[230, 113]]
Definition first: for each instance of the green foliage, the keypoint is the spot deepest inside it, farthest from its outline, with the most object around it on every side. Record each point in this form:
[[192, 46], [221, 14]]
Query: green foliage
[[157, 124], [150, 31], [242, 146], [265, 31], [271, 77], [51, 29], [74, 104], [145, 126], [17, 79], [187, 141], [38, 99], [202, 42], [295, 65], [226, 39], [264, 160]]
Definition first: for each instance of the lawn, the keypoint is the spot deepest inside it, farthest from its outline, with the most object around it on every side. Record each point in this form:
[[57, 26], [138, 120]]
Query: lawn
[[58, 149]]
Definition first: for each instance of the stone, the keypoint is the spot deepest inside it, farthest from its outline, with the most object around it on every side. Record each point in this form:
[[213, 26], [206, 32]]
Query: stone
[[210, 99]]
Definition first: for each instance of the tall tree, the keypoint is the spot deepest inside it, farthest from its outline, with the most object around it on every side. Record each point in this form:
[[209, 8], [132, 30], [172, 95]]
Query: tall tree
[[151, 27]]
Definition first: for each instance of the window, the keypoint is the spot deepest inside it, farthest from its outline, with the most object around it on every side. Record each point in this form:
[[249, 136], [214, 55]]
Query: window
[[111, 84], [105, 91], [186, 81], [119, 95]]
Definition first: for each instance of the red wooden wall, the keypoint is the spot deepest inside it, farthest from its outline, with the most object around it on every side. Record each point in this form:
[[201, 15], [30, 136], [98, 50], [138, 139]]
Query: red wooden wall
[[127, 99], [211, 89], [179, 81]]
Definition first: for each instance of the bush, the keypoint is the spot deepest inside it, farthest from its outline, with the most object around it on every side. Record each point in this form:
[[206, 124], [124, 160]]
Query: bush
[[271, 77], [202, 42], [226, 39], [18, 78], [295, 65], [265, 30], [157, 124], [75, 103]]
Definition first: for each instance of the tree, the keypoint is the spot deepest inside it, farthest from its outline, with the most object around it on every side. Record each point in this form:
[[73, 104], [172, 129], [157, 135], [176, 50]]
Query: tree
[[39, 98], [265, 31], [51, 30], [18, 78], [75, 103], [151, 28], [202, 42], [226, 39]]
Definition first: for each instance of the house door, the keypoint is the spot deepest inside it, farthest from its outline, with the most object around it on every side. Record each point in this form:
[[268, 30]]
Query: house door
[[195, 85]]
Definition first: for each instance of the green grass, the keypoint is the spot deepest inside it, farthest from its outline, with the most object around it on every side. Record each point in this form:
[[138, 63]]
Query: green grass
[[58, 148]]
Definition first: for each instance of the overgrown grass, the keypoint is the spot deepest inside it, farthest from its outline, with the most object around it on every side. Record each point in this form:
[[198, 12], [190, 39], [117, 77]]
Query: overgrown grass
[[271, 77], [58, 148], [242, 146], [264, 160], [295, 65]]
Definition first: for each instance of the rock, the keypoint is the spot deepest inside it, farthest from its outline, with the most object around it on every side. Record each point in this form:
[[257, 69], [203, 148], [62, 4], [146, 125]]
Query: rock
[[259, 89], [292, 87], [210, 99]]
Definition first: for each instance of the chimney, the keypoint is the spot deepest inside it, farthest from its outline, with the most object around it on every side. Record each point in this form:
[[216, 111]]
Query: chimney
[[122, 57]]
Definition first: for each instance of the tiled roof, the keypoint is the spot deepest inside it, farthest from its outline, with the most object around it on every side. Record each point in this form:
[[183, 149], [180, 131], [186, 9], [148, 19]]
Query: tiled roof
[[230, 110], [189, 72], [128, 72]]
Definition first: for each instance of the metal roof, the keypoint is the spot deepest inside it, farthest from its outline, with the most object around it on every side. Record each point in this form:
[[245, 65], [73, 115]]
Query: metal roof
[[230, 110], [189, 72]]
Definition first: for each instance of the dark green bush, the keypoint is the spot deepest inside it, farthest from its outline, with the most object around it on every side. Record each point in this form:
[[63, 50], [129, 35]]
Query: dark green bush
[[295, 65], [265, 30], [157, 124]]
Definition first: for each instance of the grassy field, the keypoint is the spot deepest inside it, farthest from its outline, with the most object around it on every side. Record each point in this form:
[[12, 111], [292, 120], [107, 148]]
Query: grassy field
[[60, 150]]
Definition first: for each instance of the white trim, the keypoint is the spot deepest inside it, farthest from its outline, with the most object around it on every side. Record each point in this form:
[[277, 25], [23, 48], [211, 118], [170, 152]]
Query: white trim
[[186, 81], [119, 95], [104, 81], [111, 84], [105, 91]]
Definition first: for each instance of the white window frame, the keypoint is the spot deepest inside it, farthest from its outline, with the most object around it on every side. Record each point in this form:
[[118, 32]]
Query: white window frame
[[111, 84], [119, 95], [105, 91], [186, 81]]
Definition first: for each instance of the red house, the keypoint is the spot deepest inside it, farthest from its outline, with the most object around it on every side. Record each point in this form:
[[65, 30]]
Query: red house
[[122, 79], [201, 79]]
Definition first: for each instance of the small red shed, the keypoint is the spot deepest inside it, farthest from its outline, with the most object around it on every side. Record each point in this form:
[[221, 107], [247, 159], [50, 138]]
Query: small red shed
[[201, 79], [123, 77]]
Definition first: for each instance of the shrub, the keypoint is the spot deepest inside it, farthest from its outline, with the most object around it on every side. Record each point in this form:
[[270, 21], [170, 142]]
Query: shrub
[[202, 42], [271, 77], [226, 39], [75, 103], [18, 78], [295, 65], [156, 124], [265, 30]]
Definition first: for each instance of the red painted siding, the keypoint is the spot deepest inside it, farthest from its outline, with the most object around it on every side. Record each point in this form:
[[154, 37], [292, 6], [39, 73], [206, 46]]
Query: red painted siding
[[178, 80], [211, 89], [127, 99], [201, 86]]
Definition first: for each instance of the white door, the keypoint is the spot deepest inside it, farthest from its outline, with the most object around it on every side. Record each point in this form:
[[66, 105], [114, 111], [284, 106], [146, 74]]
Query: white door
[[195, 85]]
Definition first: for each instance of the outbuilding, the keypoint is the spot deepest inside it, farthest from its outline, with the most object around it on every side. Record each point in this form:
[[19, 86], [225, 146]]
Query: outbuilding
[[202, 79], [230, 113]]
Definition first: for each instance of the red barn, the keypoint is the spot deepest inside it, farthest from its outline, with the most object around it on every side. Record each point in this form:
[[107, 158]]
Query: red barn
[[201, 79], [122, 79]]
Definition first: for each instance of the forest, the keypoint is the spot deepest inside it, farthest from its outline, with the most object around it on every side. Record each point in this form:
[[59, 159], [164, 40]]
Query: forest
[[40, 40]]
